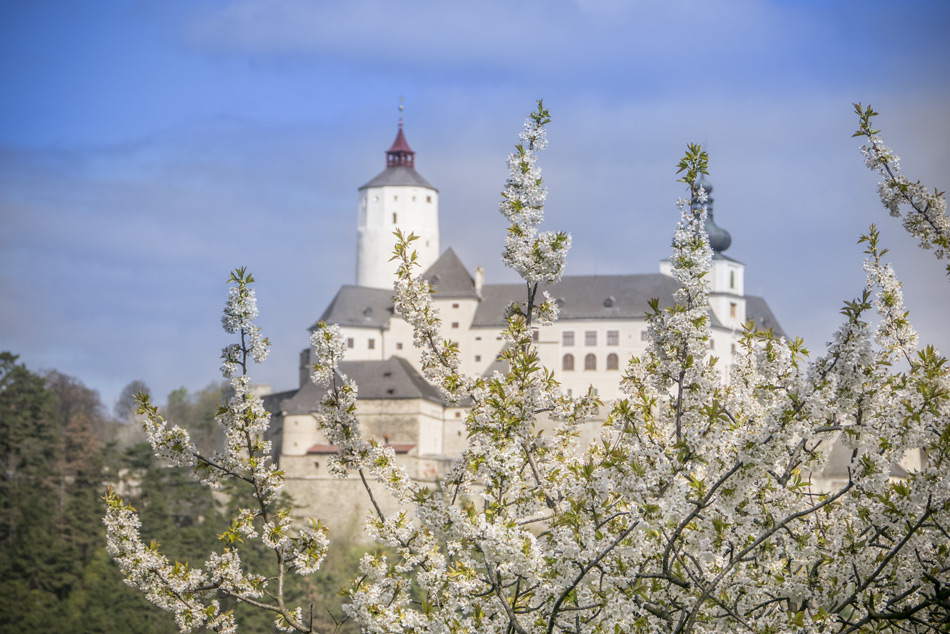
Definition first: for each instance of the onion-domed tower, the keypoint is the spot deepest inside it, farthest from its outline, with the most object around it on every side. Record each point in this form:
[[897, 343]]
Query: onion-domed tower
[[397, 198], [719, 238], [727, 277]]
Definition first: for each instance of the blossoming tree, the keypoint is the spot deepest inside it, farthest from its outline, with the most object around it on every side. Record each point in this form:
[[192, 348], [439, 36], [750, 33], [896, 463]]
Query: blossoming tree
[[694, 511]]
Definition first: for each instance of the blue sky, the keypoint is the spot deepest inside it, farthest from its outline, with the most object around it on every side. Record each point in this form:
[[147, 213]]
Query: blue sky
[[146, 148]]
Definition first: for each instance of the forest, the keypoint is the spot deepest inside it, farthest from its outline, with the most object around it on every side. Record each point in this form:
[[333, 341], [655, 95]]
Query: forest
[[61, 450]]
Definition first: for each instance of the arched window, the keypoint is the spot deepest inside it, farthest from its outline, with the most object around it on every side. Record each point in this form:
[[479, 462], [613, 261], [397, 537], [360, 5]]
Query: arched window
[[590, 362], [613, 362], [567, 363]]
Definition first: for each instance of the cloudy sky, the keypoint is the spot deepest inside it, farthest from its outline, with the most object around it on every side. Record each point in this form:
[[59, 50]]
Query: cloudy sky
[[148, 147]]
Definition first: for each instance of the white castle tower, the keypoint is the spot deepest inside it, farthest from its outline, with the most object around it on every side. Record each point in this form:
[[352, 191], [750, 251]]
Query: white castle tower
[[397, 198]]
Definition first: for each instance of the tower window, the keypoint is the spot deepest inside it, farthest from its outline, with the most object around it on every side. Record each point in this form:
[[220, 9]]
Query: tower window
[[394, 218], [590, 362], [613, 362], [395, 198], [613, 337], [428, 199], [732, 279], [732, 309], [478, 358], [413, 199], [398, 345], [455, 305], [567, 338], [455, 324], [590, 338], [712, 343], [567, 363], [371, 344]]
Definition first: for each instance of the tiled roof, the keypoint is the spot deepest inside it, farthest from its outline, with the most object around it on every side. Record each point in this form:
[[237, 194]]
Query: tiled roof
[[758, 311], [394, 378], [359, 306], [450, 278], [584, 297], [398, 175]]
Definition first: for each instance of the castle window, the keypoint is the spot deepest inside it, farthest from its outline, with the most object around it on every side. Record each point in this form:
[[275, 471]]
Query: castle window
[[428, 199], [371, 344], [398, 345], [535, 334], [733, 349], [478, 358], [590, 362], [567, 338], [455, 324], [375, 199], [613, 362], [395, 198], [644, 336], [349, 342], [712, 343], [455, 305], [590, 338], [732, 279], [567, 363], [732, 309], [413, 199], [458, 414], [394, 218], [478, 338], [613, 337]]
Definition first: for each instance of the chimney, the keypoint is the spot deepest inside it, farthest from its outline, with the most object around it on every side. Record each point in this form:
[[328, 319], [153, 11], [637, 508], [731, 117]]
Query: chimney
[[479, 279], [305, 368]]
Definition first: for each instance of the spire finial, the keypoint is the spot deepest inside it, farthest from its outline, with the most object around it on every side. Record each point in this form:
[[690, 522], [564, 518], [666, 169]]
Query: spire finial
[[400, 154]]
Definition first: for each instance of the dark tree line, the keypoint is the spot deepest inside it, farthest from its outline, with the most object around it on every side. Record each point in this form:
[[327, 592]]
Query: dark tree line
[[60, 449]]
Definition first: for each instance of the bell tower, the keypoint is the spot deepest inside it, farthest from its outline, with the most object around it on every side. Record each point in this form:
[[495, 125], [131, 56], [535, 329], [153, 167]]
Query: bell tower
[[397, 198]]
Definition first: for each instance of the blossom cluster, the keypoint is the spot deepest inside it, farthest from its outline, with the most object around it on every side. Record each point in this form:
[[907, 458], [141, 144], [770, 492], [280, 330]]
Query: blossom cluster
[[536, 257], [926, 218], [240, 311], [190, 592]]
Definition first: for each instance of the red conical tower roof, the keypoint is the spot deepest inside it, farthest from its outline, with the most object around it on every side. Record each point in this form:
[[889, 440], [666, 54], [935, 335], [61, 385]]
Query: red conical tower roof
[[400, 154]]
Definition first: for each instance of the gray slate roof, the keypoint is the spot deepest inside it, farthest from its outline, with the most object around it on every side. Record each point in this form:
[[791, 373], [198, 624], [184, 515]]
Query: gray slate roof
[[584, 297], [359, 306], [393, 378], [758, 311], [580, 297], [449, 277], [399, 175]]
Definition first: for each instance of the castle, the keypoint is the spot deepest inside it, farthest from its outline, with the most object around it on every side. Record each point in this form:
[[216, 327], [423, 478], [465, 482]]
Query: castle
[[601, 325]]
